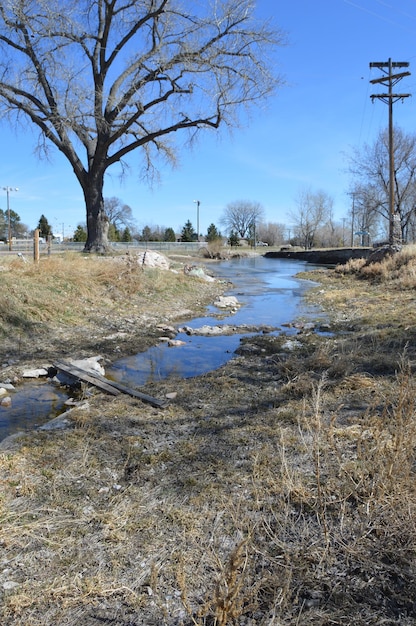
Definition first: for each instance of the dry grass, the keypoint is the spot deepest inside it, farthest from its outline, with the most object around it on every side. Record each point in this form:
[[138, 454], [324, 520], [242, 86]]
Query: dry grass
[[82, 304], [48, 291], [398, 269], [276, 491]]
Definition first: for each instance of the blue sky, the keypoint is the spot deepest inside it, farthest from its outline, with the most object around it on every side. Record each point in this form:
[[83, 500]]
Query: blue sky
[[298, 140]]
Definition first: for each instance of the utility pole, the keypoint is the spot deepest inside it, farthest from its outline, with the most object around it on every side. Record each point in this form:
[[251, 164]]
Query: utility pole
[[389, 80]]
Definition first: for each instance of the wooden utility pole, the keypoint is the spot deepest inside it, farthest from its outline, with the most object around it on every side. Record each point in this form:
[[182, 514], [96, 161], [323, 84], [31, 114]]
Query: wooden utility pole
[[390, 80], [36, 246]]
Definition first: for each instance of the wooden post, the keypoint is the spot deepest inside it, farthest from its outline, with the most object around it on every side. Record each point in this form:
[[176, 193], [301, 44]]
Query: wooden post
[[36, 246]]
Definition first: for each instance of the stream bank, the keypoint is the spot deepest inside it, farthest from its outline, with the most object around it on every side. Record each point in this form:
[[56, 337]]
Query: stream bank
[[263, 297]]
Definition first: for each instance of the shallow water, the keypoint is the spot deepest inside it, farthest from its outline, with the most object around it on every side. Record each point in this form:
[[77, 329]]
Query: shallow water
[[33, 404], [269, 295]]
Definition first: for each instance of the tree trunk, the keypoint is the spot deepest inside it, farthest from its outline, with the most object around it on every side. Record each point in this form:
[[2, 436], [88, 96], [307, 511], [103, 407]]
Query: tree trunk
[[97, 220]]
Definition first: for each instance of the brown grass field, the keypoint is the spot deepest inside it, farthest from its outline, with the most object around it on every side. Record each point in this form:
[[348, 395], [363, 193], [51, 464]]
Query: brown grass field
[[278, 490]]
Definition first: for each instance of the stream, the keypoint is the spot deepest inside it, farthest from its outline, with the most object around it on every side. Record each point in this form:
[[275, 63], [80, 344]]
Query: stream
[[269, 294]]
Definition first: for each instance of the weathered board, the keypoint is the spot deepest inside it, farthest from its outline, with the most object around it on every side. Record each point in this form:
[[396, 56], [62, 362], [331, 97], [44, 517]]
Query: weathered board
[[94, 378], [88, 377]]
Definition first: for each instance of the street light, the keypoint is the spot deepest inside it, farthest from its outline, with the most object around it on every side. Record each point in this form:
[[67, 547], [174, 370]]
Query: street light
[[62, 234], [8, 190], [197, 218]]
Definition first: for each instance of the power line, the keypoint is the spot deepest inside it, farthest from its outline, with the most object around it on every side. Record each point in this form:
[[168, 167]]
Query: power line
[[382, 17]]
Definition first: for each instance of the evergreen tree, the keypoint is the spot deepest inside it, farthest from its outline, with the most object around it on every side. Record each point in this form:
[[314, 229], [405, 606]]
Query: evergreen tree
[[45, 230], [146, 233], [188, 233], [80, 234], [213, 233], [113, 233], [169, 235], [126, 236], [3, 225], [251, 234], [233, 239]]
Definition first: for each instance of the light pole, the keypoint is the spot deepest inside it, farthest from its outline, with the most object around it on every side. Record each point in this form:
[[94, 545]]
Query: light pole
[[8, 190], [197, 202], [62, 234]]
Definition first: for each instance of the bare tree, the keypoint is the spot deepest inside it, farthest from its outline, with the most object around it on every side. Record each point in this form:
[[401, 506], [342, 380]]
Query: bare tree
[[271, 233], [118, 213], [365, 211], [314, 210], [369, 167], [241, 216], [102, 78]]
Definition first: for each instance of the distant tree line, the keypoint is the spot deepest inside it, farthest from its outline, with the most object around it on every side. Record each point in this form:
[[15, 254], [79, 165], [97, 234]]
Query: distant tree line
[[312, 222], [242, 220]]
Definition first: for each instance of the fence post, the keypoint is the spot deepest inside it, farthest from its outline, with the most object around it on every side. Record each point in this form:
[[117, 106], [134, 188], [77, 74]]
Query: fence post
[[36, 246]]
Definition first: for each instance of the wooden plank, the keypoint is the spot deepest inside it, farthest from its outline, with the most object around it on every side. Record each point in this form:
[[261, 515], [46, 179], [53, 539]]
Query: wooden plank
[[88, 377], [108, 385], [160, 404]]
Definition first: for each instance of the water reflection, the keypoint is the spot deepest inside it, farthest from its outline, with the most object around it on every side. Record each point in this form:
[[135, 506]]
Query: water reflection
[[32, 405], [199, 355]]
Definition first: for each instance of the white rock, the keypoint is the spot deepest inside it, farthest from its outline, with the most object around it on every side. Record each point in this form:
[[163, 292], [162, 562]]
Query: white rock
[[226, 302], [150, 258], [10, 584], [175, 343], [88, 510], [212, 330], [291, 344], [35, 373], [200, 273], [89, 365]]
